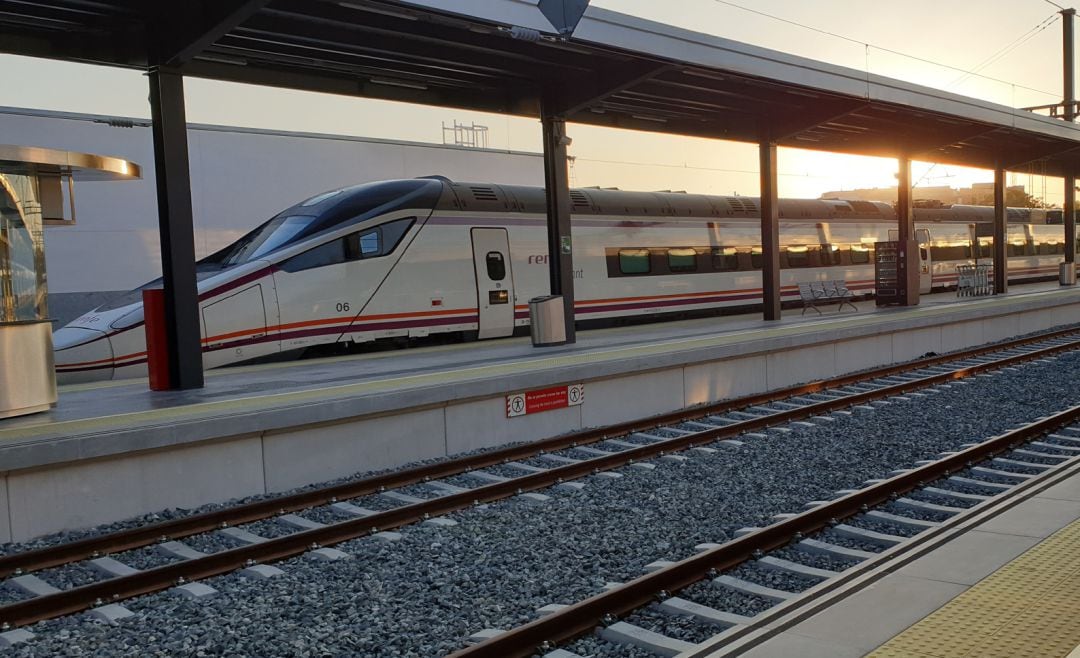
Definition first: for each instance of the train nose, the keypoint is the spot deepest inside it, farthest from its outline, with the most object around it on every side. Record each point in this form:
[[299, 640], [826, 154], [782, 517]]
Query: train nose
[[82, 355]]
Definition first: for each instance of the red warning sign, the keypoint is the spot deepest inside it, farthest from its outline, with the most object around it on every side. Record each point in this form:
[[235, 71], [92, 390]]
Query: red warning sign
[[557, 397]]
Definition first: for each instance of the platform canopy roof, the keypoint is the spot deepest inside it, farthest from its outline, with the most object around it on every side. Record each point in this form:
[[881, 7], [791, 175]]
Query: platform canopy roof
[[616, 70]]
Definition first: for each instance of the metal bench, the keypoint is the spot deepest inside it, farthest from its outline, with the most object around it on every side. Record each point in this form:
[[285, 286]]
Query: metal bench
[[813, 293]]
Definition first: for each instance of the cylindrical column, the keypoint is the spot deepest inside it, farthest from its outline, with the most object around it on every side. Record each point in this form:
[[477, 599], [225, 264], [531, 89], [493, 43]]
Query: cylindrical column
[[175, 226], [560, 246], [770, 231], [1001, 259]]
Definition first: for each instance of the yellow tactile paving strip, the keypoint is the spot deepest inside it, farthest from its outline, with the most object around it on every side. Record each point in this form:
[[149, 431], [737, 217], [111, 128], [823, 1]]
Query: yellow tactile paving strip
[[1030, 608]]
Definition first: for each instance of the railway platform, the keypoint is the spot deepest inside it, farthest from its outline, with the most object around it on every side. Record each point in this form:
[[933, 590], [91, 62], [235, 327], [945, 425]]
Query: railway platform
[[116, 450], [1005, 584]]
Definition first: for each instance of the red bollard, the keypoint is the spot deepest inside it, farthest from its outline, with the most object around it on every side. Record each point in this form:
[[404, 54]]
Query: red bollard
[[157, 345]]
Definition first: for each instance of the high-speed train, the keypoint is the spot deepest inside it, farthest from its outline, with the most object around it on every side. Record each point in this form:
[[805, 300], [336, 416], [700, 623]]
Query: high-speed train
[[412, 258]]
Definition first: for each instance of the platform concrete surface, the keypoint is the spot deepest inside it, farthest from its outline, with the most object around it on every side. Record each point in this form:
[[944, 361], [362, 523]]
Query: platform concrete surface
[[272, 427], [864, 620]]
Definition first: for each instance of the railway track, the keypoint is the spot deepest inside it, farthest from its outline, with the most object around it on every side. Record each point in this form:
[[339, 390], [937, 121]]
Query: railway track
[[984, 473], [458, 484]]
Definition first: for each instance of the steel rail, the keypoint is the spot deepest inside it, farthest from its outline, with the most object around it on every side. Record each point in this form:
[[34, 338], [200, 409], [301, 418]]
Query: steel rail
[[43, 558], [580, 618], [151, 580]]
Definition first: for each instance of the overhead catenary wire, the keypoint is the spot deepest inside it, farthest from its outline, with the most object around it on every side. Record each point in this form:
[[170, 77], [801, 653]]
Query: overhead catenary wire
[[1008, 48], [1051, 2], [870, 45]]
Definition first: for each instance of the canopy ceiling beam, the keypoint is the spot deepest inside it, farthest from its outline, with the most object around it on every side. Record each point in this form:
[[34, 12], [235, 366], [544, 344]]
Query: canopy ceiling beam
[[603, 83], [186, 29]]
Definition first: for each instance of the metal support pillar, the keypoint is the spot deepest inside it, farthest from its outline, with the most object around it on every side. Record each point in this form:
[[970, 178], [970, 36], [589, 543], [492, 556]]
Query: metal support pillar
[[1001, 222], [557, 184], [905, 221], [175, 226], [1069, 220], [905, 225], [770, 231]]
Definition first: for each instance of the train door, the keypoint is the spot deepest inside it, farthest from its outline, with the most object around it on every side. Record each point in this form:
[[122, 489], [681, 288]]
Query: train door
[[234, 327], [494, 282], [926, 265]]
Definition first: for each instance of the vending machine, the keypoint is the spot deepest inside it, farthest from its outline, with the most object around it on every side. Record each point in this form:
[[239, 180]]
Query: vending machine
[[896, 273]]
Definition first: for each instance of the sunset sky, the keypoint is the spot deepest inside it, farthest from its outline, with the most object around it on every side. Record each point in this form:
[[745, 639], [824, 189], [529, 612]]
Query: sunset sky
[[948, 38]]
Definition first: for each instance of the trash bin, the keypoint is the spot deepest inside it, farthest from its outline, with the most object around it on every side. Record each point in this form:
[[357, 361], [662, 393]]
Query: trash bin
[[546, 320], [1067, 274]]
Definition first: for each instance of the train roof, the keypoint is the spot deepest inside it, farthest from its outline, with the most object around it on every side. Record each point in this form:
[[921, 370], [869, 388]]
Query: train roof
[[356, 202], [487, 197]]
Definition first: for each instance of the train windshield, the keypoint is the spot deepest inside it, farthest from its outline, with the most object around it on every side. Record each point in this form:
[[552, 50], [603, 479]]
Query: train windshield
[[268, 237]]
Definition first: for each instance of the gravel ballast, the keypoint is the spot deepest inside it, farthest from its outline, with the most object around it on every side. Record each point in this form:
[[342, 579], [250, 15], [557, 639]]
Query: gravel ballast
[[423, 595]]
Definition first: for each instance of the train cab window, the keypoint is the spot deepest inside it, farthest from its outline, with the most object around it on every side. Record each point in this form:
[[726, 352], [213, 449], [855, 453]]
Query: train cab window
[[392, 232], [725, 259], [859, 255], [634, 261], [331, 253], [682, 259], [369, 244], [496, 266]]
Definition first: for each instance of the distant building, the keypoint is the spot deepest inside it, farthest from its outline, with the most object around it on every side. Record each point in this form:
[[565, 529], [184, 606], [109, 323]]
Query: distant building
[[977, 194]]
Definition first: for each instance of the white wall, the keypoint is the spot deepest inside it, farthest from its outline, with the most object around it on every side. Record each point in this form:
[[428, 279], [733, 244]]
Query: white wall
[[239, 178]]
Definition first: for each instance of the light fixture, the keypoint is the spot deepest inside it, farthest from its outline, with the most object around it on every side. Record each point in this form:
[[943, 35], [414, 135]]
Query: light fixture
[[389, 82], [644, 117]]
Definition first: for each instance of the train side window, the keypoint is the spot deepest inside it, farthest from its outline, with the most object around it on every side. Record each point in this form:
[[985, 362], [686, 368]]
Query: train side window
[[331, 253], [757, 260], [496, 266], [634, 261], [725, 259], [859, 255], [797, 256], [682, 259]]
